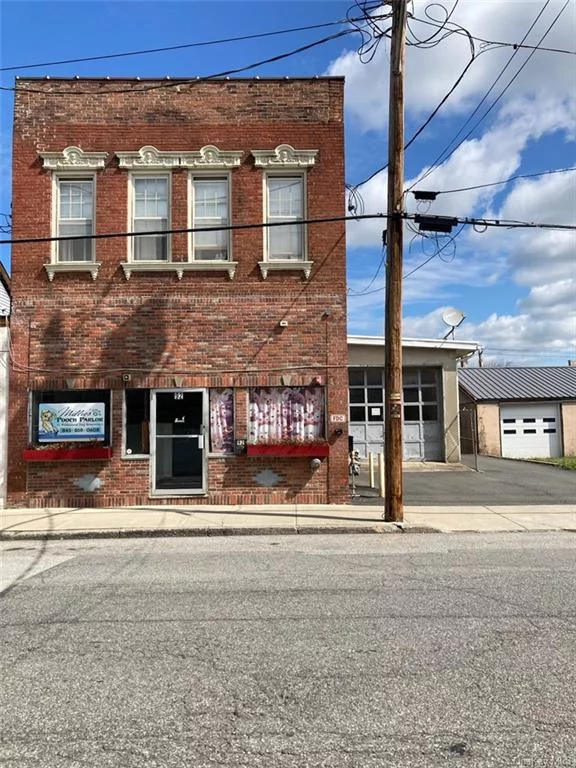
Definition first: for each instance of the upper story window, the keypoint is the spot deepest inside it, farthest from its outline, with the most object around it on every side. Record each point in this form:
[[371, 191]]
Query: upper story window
[[285, 202], [74, 217], [208, 207], [150, 213], [210, 201], [286, 244], [74, 173]]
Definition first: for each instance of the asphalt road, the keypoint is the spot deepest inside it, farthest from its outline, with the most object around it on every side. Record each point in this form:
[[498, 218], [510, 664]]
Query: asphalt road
[[334, 651], [498, 482]]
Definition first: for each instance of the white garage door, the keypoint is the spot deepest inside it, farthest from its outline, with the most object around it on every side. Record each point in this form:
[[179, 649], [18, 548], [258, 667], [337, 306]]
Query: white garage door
[[530, 431]]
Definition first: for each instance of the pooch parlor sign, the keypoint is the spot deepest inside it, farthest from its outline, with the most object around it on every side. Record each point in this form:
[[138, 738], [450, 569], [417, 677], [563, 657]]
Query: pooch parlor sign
[[70, 421]]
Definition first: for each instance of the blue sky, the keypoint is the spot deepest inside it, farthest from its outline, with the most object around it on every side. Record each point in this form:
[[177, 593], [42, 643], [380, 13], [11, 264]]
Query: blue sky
[[516, 287]]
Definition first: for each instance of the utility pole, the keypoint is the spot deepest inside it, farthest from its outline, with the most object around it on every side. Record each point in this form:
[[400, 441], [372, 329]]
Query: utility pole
[[393, 442]]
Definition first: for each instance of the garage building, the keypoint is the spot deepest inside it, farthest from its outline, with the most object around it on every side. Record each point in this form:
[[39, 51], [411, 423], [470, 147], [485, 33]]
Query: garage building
[[430, 396], [519, 413]]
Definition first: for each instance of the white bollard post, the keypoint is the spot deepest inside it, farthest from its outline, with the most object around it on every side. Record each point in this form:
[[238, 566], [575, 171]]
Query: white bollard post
[[371, 469], [381, 474]]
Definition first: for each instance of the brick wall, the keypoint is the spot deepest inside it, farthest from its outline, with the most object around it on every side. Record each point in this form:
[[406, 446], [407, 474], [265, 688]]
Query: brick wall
[[205, 330]]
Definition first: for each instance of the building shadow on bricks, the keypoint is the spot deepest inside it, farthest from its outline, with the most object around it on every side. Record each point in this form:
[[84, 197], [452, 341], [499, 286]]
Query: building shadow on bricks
[[54, 347], [137, 339]]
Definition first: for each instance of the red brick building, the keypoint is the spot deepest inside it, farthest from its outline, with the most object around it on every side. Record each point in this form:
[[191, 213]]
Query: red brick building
[[178, 367]]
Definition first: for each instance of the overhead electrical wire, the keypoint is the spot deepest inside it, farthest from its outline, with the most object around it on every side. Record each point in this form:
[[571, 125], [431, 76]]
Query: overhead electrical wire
[[176, 82], [366, 289], [183, 230], [499, 43], [431, 116], [504, 181], [447, 152], [487, 223], [433, 40], [183, 46], [460, 30]]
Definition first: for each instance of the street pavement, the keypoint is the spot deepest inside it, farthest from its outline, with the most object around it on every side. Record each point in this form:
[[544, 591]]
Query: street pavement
[[290, 651]]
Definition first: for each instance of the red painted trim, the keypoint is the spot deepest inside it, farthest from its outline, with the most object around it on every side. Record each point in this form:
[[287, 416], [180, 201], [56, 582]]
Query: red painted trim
[[66, 454], [315, 450]]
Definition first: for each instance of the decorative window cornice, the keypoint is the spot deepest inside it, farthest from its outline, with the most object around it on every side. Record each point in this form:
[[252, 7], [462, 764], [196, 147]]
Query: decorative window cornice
[[210, 157], [284, 157], [73, 158], [149, 158]]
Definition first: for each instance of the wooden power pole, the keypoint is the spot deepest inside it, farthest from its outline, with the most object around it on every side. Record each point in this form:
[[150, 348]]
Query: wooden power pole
[[393, 441]]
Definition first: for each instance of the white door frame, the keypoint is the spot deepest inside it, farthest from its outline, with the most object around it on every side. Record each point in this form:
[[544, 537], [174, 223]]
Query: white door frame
[[202, 437]]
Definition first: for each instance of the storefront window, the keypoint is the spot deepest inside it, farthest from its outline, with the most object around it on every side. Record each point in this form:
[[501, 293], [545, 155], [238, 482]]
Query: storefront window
[[286, 414], [70, 416]]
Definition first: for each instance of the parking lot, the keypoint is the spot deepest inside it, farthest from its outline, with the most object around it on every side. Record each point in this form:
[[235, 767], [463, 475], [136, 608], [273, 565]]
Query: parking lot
[[497, 481]]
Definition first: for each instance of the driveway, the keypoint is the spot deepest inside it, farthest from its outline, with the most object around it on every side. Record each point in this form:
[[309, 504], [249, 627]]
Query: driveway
[[497, 482]]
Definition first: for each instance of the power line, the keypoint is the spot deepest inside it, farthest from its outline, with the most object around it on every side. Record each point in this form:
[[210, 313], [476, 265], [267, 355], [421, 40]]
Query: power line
[[442, 157], [366, 289], [183, 46], [428, 120], [462, 31], [504, 181], [486, 223], [182, 81], [184, 230], [497, 43]]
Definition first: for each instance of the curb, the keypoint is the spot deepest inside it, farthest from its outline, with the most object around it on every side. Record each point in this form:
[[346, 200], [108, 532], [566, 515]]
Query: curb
[[151, 533]]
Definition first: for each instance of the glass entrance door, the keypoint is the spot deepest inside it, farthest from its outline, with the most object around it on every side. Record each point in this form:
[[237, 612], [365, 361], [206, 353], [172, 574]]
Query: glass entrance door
[[178, 465]]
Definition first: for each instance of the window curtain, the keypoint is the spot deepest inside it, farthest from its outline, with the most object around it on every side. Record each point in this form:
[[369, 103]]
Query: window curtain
[[290, 414], [222, 420]]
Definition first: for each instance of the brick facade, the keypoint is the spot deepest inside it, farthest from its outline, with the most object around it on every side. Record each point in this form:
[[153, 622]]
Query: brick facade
[[205, 330]]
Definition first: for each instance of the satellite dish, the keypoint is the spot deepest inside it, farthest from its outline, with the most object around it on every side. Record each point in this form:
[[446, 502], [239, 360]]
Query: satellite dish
[[453, 318]]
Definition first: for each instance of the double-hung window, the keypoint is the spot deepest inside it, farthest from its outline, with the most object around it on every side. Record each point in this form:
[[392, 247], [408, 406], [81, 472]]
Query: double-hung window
[[210, 209], [150, 213], [285, 203], [75, 219]]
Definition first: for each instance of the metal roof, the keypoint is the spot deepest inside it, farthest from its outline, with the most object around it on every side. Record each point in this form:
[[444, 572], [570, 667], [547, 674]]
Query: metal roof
[[558, 383]]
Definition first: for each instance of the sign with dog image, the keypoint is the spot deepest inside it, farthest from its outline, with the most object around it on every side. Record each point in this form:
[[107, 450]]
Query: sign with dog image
[[70, 421]]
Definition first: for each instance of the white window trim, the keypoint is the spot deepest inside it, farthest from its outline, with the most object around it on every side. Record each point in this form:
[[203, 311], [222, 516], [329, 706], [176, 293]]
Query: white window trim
[[73, 159], [211, 159], [130, 265], [302, 265], [54, 266], [208, 158], [284, 158], [148, 158], [205, 265]]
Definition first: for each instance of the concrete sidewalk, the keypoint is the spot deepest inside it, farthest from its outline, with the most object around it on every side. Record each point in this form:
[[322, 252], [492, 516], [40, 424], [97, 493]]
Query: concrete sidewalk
[[165, 520]]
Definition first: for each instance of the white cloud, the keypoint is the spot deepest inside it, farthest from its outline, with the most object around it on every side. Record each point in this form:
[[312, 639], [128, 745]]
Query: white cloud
[[524, 339], [431, 72]]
